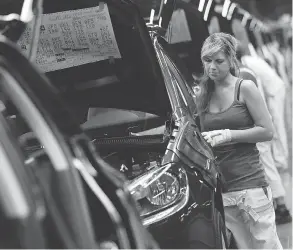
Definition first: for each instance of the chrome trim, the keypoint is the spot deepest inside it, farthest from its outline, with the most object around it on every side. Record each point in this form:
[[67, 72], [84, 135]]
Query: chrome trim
[[165, 71], [178, 205], [170, 81], [168, 212], [208, 164], [11, 193], [37, 124], [107, 203]]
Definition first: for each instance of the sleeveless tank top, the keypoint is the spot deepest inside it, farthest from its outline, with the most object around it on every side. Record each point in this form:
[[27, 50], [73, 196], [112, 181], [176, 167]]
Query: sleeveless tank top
[[238, 163]]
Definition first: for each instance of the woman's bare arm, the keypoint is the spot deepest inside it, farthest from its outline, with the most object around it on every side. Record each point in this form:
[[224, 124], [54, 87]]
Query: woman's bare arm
[[263, 130]]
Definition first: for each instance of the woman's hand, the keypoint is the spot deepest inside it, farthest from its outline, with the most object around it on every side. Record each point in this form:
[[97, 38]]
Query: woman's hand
[[217, 137]]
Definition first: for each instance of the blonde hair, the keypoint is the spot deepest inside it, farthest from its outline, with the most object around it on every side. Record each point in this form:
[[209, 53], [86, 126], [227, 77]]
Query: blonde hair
[[213, 44]]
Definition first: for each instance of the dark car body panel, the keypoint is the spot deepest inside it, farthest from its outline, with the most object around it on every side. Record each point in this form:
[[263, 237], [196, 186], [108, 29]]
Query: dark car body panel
[[74, 144], [15, 66], [118, 122], [26, 229]]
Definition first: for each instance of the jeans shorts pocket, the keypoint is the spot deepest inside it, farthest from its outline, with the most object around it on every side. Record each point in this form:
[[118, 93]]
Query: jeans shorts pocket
[[260, 206], [260, 218], [257, 200]]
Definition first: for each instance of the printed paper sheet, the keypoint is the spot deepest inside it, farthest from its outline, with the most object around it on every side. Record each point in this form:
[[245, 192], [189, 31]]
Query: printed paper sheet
[[73, 38]]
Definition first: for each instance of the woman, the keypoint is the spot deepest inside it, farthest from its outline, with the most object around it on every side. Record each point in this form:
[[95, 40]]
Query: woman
[[234, 118]]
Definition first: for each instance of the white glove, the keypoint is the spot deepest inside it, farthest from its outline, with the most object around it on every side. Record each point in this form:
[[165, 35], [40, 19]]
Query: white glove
[[217, 137]]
